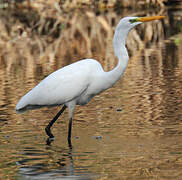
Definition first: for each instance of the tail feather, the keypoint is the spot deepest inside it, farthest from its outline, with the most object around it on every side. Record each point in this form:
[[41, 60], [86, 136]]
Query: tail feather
[[20, 111], [26, 108]]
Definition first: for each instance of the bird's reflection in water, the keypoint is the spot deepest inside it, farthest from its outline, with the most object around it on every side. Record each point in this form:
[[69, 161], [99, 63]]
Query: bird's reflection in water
[[41, 164]]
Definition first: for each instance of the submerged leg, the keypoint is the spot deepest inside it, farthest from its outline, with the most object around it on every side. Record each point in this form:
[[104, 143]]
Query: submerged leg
[[48, 127]]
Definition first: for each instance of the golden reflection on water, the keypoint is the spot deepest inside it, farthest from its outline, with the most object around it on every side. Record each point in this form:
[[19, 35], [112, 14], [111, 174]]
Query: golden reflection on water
[[131, 131]]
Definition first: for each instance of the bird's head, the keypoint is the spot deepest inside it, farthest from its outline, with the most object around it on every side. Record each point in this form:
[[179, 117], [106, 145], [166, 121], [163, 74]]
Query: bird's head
[[127, 23], [124, 26]]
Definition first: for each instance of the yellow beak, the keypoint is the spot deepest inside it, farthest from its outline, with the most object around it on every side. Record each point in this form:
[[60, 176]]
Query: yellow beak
[[151, 18]]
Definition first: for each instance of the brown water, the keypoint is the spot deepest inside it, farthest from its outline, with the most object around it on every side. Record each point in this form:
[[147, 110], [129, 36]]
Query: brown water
[[131, 131]]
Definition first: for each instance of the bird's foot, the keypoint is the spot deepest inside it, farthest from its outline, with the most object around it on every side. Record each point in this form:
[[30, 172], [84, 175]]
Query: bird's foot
[[49, 140], [49, 133]]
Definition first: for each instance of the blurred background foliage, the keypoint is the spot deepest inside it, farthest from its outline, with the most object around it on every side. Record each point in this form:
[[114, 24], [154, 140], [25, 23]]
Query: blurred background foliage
[[37, 32]]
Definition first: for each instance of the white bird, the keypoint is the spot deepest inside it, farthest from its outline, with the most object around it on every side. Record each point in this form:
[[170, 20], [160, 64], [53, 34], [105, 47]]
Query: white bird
[[78, 83]]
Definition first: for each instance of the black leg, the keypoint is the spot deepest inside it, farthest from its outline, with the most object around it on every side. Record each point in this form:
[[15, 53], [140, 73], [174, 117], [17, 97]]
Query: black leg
[[69, 144], [69, 129], [48, 127], [71, 108], [69, 132]]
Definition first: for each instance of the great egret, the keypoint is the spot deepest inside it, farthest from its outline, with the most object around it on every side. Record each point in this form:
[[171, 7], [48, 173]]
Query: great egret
[[77, 83]]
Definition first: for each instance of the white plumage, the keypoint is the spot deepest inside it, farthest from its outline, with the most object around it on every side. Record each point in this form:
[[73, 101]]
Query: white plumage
[[62, 86]]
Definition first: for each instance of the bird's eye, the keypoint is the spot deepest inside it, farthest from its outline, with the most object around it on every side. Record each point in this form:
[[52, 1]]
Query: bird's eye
[[133, 20]]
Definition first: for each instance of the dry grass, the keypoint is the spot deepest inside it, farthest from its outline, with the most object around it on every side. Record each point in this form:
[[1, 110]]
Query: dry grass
[[49, 35]]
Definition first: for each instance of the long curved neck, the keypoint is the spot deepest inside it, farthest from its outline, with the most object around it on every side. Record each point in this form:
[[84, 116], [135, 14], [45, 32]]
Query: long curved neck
[[121, 53], [119, 42]]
